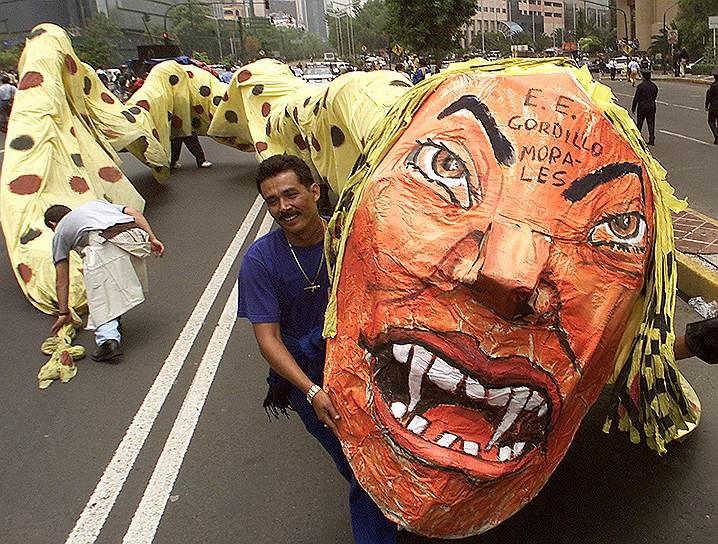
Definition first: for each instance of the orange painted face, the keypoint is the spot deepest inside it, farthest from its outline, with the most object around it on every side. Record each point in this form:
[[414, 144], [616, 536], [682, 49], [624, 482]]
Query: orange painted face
[[489, 274]]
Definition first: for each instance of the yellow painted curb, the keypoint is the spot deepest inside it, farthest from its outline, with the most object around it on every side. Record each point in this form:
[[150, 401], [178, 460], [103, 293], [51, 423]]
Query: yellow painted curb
[[695, 280]]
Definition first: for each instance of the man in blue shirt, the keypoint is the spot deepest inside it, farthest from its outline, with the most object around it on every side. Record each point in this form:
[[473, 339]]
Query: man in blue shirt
[[283, 288]]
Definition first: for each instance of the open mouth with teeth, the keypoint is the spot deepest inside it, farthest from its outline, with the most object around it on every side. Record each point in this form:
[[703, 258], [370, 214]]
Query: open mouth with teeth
[[442, 400]]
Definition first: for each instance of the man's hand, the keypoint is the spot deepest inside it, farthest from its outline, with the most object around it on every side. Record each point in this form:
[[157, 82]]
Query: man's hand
[[158, 248], [326, 413], [60, 322]]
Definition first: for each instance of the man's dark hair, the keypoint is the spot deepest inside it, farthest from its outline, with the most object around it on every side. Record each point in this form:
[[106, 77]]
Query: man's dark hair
[[54, 213], [282, 163], [5, 78]]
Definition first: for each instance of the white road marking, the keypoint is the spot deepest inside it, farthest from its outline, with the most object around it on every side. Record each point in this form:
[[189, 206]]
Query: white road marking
[[149, 512], [663, 103], [98, 507], [685, 137]]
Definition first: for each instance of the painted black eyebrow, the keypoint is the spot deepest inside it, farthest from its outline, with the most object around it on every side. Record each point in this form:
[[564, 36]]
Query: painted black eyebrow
[[503, 150], [582, 186]]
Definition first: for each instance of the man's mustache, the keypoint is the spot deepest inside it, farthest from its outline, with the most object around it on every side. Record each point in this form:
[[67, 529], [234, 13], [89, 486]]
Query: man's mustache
[[285, 215]]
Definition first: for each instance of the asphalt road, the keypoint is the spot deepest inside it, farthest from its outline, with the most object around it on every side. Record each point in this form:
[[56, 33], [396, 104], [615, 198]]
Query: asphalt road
[[235, 477]]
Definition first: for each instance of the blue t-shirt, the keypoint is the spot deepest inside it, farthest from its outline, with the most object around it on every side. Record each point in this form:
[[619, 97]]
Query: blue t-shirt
[[271, 286]]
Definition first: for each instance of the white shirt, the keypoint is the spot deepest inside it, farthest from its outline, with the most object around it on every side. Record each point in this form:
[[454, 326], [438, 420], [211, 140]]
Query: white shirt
[[7, 92]]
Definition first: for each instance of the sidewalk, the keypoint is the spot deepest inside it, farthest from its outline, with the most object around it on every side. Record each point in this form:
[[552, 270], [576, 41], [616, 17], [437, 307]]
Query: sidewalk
[[696, 238], [689, 78]]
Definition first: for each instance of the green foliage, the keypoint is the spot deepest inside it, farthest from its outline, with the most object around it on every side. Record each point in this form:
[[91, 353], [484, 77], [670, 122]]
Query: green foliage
[[10, 57], [428, 27], [369, 27], [97, 44], [201, 55], [192, 30], [590, 45], [692, 24], [702, 69], [292, 43], [228, 60]]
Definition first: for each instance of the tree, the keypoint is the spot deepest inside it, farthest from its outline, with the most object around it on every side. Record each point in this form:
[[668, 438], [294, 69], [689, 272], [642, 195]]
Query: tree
[[10, 57], [428, 27], [692, 24], [97, 44], [369, 26], [193, 28], [590, 45]]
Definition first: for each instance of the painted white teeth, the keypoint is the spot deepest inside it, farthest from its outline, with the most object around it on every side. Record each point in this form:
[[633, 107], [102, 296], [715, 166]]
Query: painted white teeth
[[534, 401], [444, 375], [518, 448], [420, 361], [401, 352], [518, 399], [542, 411], [499, 397], [446, 440], [505, 453], [472, 448], [398, 409], [418, 425], [474, 390]]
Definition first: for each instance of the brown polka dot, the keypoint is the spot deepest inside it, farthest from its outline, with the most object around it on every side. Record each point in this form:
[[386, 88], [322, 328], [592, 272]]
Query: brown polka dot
[[337, 136], [216, 100], [257, 89], [134, 110], [25, 185], [29, 236], [106, 98], [37, 32], [306, 102], [266, 108], [190, 74], [315, 111], [268, 128], [261, 146], [110, 173], [112, 133], [196, 122], [299, 142], [243, 76], [176, 122], [25, 272], [230, 116], [204, 90], [199, 109], [30, 80], [72, 131], [174, 80], [144, 104], [315, 143], [295, 115], [65, 358], [129, 116], [77, 159], [225, 97], [70, 64], [155, 134], [87, 85], [363, 142], [22, 143], [79, 185]]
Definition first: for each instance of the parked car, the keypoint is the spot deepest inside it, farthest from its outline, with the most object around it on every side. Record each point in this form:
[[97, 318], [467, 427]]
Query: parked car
[[318, 72], [621, 64]]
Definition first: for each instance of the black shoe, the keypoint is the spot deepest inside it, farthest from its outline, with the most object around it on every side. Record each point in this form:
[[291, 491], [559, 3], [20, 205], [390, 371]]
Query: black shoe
[[109, 352], [651, 143]]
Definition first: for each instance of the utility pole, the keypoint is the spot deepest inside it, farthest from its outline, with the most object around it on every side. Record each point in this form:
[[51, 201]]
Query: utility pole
[[483, 41]]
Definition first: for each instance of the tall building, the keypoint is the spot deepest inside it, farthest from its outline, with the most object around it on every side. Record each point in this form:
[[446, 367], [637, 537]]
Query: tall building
[[313, 15], [645, 19]]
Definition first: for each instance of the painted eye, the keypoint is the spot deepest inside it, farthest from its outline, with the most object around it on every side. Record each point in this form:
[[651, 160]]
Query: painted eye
[[437, 163], [625, 231]]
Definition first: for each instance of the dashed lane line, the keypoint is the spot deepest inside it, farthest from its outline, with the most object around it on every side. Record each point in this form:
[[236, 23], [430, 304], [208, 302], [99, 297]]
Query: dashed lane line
[[98, 507], [685, 137], [662, 103], [149, 512]]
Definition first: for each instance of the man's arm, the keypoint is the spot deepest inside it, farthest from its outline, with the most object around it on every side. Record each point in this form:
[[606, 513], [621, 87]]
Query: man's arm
[[158, 247], [276, 354], [635, 99], [62, 288]]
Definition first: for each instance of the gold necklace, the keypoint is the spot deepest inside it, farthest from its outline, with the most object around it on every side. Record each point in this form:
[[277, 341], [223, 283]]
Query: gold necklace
[[313, 285]]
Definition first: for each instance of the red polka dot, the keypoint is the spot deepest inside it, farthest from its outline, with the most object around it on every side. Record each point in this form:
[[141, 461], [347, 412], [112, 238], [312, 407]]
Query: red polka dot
[[110, 173], [243, 76], [106, 98], [315, 143], [266, 108], [198, 108], [72, 131], [25, 272], [25, 185], [261, 146], [190, 74], [155, 134], [65, 358], [71, 64], [30, 80], [143, 104], [299, 142], [112, 133], [78, 184], [176, 122]]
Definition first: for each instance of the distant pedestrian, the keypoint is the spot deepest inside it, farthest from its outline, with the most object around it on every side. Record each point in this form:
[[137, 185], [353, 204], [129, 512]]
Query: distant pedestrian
[[644, 105], [421, 72], [191, 142], [712, 106], [612, 68], [683, 61], [7, 96], [632, 71]]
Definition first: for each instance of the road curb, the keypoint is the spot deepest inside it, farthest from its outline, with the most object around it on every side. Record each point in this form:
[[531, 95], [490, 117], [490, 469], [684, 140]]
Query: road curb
[[684, 80], [695, 278]]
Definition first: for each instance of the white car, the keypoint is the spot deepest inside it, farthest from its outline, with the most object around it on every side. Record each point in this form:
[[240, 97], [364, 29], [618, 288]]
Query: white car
[[621, 64], [318, 73]]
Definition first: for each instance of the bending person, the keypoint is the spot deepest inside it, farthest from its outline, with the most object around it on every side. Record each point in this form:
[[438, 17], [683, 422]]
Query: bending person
[[113, 241]]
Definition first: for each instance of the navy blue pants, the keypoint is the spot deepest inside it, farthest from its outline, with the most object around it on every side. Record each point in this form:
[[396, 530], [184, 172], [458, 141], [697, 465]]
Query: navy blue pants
[[368, 523]]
